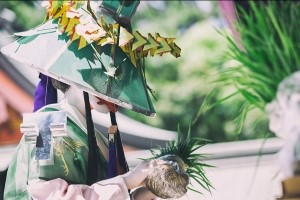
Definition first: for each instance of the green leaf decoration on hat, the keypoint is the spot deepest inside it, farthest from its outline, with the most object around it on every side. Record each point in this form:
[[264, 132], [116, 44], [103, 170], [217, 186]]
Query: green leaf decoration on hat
[[70, 20], [125, 37], [151, 45], [164, 47], [139, 40]]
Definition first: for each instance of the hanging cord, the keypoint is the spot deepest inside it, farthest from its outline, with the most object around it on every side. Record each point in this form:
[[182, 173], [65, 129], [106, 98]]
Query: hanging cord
[[116, 148], [92, 167], [113, 118], [119, 145]]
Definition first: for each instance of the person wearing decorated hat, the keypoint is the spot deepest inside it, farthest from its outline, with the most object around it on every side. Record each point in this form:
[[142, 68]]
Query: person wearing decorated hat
[[97, 54], [26, 182]]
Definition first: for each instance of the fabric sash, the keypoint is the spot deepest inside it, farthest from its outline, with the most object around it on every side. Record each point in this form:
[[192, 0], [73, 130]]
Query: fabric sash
[[117, 161], [44, 93]]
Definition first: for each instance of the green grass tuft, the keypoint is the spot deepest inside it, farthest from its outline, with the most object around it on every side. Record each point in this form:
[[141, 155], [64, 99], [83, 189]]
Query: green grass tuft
[[185, 147]]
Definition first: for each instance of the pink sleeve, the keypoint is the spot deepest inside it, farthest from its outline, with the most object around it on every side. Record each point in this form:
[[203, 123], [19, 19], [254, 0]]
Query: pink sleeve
[[110, 189]]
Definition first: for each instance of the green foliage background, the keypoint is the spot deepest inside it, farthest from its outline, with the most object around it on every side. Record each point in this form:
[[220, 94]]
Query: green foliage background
[[181, 84], [27, 13]]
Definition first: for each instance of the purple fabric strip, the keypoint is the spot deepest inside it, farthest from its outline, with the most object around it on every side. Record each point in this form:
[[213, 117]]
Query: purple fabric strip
[[121, 154], [112, 162], [45, 93], [116, 153]]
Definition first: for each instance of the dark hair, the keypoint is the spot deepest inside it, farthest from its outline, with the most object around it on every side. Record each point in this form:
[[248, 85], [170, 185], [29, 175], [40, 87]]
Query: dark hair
[[60, 85]]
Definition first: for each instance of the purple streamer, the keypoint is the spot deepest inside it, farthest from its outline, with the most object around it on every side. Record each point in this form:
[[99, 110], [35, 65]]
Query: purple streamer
[[112, 163], [45, 93]]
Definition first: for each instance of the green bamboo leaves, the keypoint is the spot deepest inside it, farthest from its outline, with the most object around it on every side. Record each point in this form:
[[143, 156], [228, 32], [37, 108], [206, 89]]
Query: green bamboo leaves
[[268, 52]]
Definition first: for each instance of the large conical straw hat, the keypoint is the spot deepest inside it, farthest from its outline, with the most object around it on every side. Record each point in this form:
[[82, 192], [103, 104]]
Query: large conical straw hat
[[93, 51]]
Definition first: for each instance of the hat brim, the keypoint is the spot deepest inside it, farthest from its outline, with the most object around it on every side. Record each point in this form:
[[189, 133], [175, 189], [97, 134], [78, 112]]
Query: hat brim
[[56, 56]]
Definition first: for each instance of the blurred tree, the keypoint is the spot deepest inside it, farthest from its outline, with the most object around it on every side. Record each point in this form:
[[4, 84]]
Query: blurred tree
[[182, 84], [27, 14]]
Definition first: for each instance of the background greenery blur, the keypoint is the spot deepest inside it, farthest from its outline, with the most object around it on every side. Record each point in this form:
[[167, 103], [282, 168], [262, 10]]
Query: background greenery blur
[[181, 84]]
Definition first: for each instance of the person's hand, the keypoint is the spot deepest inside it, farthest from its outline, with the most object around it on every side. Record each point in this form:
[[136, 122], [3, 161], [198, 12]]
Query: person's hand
[[137, 176], [142, 193]]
